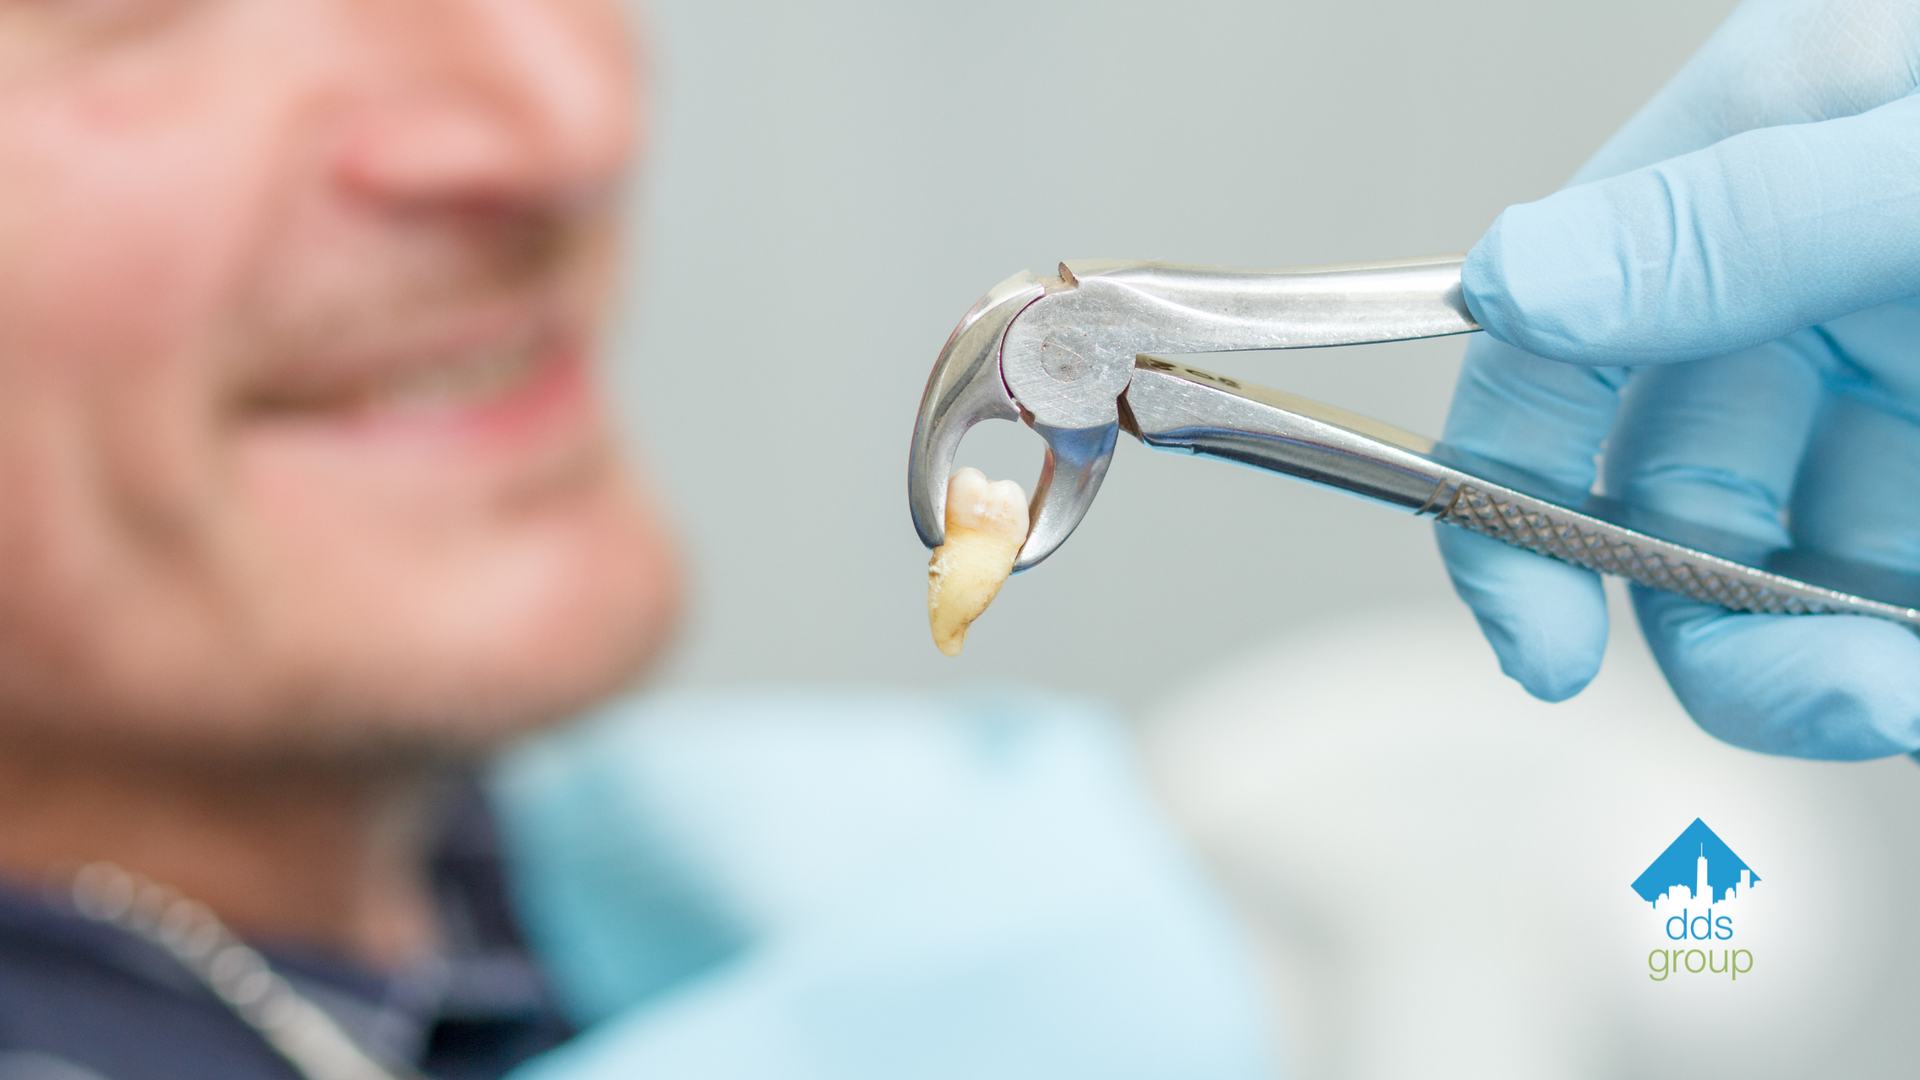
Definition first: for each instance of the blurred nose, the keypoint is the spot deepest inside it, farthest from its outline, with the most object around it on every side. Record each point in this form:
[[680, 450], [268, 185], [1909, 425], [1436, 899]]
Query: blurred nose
[[492, 101]]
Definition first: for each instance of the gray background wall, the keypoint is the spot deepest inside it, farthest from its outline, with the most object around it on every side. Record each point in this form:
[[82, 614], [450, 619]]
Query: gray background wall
[[832, 184]]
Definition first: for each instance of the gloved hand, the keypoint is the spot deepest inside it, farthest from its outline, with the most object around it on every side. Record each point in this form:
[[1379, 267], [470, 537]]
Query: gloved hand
[[1732, 283]]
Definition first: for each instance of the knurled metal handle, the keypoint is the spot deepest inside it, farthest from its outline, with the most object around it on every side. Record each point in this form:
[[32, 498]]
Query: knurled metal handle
[[1570, 536], [1170, 406]]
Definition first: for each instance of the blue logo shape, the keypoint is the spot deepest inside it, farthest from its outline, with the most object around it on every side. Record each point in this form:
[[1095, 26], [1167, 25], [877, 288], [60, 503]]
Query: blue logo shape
[[1698, 861]]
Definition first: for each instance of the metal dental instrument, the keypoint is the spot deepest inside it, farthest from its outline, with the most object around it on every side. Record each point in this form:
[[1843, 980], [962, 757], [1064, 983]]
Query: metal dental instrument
[[1081, 357]]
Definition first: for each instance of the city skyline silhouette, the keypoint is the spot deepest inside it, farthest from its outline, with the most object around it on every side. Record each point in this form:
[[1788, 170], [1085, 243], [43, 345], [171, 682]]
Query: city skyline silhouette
[[1700, 863]]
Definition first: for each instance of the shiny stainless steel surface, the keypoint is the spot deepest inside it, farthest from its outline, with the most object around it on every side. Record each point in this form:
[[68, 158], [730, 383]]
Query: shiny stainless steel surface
[[964, 389], [1076, 463], [1062, 351], [1173, 407], [1069, 356]]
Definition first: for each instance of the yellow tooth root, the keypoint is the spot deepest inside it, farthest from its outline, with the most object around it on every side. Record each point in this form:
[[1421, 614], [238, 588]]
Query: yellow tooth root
[[986, 524]]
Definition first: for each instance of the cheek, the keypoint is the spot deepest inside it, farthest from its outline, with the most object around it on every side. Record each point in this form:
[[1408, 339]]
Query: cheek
[[127, 215], [126, 199]]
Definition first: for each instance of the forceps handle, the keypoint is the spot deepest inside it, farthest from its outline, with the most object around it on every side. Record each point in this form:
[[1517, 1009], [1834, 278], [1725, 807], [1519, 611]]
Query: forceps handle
[[1164, 308], [1170, 406], [1070, 354]]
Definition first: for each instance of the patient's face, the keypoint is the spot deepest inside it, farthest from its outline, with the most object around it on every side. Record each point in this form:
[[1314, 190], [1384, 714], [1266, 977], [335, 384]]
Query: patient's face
[[300, 450]]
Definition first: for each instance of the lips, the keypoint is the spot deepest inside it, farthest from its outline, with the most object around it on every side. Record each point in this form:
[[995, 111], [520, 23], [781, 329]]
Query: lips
[[482, 374], [499, 396], [450, 367]]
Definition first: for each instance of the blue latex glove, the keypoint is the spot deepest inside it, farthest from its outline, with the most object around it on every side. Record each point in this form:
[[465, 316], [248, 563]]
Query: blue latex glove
[[1732, 284], [857, 887]]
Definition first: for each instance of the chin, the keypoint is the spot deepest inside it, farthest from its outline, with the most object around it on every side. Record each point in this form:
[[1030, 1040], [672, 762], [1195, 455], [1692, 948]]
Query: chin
[[527, 630], [437, 578], [596, 631], [374, 640]]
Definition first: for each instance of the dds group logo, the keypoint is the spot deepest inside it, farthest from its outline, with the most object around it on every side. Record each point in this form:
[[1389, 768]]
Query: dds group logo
[[1697, 887]]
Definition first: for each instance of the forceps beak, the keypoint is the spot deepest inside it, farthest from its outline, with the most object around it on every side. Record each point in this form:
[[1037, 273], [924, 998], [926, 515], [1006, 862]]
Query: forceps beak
[[964, 389], [1059, 353], [1077, 461], [968, 386]]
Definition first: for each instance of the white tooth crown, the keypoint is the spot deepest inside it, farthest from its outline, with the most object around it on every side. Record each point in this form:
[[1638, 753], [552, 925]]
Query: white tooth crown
[[997, 508], [986, 524]]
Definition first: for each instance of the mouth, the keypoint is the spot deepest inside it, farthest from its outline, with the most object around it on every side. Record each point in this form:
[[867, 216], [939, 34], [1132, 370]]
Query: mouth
[[479, 376], [460, 373], [501, 395]]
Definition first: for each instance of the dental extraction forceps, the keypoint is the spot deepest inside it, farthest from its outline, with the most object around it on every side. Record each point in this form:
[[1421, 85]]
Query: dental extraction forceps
[[1081, 357]]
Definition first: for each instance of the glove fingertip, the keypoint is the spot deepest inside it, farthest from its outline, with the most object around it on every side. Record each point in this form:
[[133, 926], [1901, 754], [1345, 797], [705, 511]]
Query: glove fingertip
[[1483, 283], [1829, 687], [1546, 620], [1549, 669], [1496, 274], [1549, 278]]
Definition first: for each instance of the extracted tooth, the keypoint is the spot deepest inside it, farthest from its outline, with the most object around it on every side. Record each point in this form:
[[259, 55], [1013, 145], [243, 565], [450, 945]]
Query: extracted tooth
[[986, 524]]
